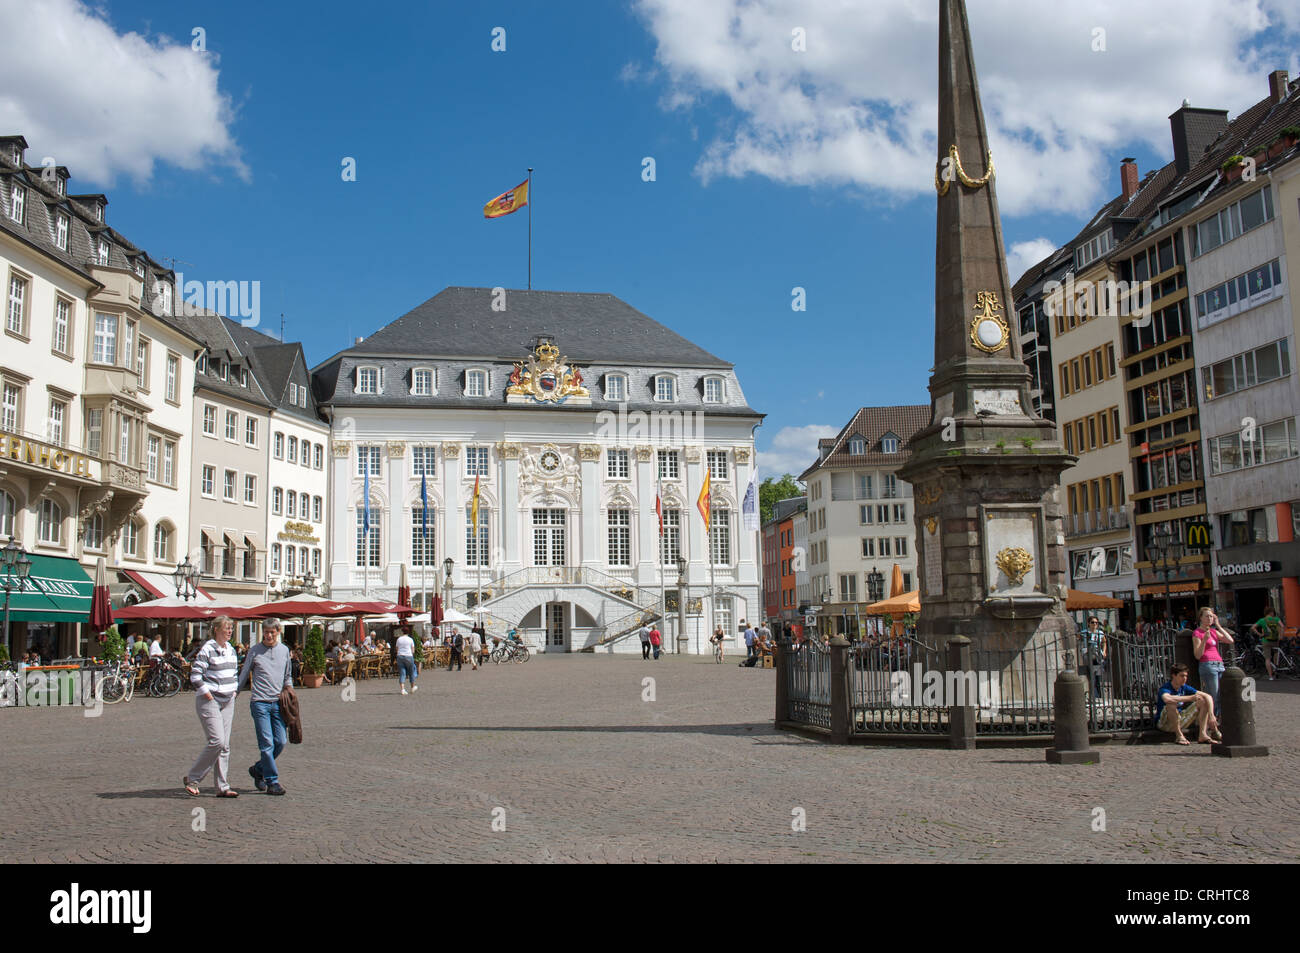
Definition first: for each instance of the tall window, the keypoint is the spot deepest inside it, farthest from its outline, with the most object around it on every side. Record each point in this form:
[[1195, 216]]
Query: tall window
[[718, 464], [62, 320], [849, 587], [58, 420], [277, 501], [476, 383], [173, 372], [94, 537], [131, 539], [317, 503], [615, 387], [50, 522], [670, 546], [228, 486], [724, 614], [209, 420], [665, 388], [476, 550], [250, 488], [17, 202], [422, 382], [277, 446], [16, 313], [61, 231], [162, 544], [232, 425], [94, 431], [549, 537], [142, 362], [250, 431], [890, 486], [422, 462], [368, 544], [720, 536], [713, 390], [620, 537], [318, 456], [8, 508], [368, 457], [476, 461], [9, 412], [290, 563], [103, 252], [668, 465], [293, 450], [169, 462], [422, 541], [616, 464], [291, 505], [276, 550], [367, 380], [293, 393], [154, 455], [105, 350]]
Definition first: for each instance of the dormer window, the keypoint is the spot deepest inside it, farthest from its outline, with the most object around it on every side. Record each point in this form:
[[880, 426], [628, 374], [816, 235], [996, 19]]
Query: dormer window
[[243, 377], [616, 387], [476, 383], [61, 231], [59, 185], [714, 390], [367, 380], [665, 388], [857, 446], [17, 202], [103, 252], [302, 396], [99, 213], [162, 298], [17, 156], [293, 393], [224, 370], [889, 443], [203, 364], [139, 268], [422, 382]]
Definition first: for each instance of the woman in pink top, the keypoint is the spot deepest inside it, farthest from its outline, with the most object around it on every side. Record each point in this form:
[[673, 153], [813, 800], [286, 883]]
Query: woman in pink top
[[1205, 645]]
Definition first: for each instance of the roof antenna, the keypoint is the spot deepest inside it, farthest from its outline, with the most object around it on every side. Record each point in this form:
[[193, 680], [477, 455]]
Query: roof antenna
[[281, 327]]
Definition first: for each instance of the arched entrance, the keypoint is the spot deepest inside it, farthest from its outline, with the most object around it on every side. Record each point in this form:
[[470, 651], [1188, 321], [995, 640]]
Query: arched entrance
[[556, 626]]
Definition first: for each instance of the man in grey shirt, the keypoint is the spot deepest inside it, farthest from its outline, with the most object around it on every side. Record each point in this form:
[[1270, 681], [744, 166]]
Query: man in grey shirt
[[644, 632], [268, 669]]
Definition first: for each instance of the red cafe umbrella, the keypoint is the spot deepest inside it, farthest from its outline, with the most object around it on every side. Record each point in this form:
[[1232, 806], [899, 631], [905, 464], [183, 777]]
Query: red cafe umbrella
[[101, 607], [174, 607], [435, 615], [403, 588], [307, 605]]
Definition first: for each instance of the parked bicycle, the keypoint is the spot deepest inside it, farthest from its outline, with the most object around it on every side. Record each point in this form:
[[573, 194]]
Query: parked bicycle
[[509, 650], [117, 683], [1251, 660], [164, 679]]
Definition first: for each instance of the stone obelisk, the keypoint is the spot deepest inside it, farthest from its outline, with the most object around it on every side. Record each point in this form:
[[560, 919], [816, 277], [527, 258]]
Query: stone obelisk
[[985, 472]]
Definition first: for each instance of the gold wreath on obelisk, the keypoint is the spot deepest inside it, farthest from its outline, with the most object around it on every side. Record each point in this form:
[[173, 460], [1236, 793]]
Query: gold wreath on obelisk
[[942, 185]]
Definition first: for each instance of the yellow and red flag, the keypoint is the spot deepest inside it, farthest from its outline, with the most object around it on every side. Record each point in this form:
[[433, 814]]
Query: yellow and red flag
[[473, 510], [702, 504], [507, 202]]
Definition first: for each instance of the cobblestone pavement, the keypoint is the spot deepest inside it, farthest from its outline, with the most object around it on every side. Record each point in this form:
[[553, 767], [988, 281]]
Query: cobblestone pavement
[[578, 767]]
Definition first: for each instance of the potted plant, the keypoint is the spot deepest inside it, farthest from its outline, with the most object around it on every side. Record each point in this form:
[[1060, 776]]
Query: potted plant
[[1232, 167], [113, 645], [4, 652], [313, 659]]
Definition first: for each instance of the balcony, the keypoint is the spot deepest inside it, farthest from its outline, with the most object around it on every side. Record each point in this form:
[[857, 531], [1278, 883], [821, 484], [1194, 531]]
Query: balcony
[[1096, 521]]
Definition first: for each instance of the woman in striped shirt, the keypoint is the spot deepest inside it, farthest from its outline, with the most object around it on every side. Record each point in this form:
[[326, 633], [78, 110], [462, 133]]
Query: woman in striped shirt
[[215, 677]]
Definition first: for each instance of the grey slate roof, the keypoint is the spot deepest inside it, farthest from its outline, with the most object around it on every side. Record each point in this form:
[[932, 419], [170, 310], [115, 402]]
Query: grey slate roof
[[456, 331], [210, 328], [276, 364], [872, 423], [589, 328]]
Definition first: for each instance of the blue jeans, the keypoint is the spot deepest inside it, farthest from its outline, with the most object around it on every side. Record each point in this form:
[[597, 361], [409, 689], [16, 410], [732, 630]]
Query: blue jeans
[[405, 669], [1211, 672], [271, 738]]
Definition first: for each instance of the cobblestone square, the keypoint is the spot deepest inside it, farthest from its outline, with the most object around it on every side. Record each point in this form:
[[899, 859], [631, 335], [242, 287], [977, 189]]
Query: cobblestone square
[[583, 769]]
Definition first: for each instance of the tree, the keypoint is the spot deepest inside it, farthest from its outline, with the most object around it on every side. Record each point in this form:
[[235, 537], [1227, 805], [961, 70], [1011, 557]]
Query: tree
[[769, 491]]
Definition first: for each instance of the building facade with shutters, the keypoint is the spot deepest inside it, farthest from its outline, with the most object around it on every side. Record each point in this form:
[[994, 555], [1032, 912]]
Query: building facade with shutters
[[570, 412], [96, 381], [860, 515]]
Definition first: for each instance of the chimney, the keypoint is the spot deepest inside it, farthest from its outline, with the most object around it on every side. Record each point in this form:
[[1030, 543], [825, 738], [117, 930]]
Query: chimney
[[1128, 177], [358, 341], [1277, 85], [1194, 129]]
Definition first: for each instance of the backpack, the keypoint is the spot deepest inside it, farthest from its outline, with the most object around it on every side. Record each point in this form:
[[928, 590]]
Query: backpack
[[458, 641]]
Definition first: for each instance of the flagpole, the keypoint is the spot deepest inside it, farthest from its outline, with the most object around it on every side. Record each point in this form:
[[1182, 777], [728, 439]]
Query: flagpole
[[708, 549], [663, 601], [530, 228]]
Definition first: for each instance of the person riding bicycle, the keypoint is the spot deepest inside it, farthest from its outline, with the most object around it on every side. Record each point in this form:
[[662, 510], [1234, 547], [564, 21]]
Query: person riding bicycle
[[716, 639], [1269, 630]]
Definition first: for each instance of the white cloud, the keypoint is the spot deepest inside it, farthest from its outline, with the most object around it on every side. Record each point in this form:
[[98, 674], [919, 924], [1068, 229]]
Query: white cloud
[[1025, 254], [105, 103], [859, 106], [793, 450]]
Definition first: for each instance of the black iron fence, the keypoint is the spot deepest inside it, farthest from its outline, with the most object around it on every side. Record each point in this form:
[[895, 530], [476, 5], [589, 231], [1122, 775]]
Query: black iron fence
[[909, 688]]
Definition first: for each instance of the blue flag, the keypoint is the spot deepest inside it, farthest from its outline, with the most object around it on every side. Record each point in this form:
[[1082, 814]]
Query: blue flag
[[365, 518], [749, 506], [424, 508]]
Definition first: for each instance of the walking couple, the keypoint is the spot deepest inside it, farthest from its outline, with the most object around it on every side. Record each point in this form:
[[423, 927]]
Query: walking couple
[[274, 706]]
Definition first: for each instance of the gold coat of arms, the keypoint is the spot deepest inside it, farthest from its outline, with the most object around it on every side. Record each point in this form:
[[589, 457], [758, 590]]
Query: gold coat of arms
[[546, 377], [1016, 563]]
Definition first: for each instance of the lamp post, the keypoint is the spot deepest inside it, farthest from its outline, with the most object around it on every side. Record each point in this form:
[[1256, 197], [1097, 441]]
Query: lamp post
[[447, 565], [1166, 551], [16, 564], [309, 582], [186, 578], [681, 604]]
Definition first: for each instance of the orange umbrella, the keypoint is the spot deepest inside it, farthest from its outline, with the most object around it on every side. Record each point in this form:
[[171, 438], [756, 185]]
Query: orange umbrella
[[897, 605], [896, 584], [1077, 599]]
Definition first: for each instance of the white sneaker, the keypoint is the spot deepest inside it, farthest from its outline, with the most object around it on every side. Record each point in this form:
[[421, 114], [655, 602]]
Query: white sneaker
[[405, 692], [414, 687]]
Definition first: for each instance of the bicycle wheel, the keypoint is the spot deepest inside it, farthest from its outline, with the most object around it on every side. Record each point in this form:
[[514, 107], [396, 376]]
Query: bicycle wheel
[[496, 656], [169, 684], [111, 689], [521, 654]]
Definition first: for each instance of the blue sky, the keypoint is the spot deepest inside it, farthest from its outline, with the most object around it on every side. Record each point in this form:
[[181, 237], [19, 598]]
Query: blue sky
[[775, 167]]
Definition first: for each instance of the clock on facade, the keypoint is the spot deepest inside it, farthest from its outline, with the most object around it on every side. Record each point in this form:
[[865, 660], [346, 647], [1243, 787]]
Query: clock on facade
[[550, 461]]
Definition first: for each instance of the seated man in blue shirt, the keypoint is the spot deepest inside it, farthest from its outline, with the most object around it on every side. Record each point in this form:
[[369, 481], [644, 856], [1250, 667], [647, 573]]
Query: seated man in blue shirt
[[1178, 706]]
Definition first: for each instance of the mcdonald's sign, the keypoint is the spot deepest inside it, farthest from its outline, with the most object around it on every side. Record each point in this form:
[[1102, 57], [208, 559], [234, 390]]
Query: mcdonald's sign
[[1198, 536]]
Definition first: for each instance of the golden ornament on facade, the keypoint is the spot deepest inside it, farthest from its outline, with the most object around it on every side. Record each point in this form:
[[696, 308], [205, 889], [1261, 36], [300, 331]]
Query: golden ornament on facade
[[396, 449], [988, 331], [341, 448], [645, 454], [929, 495], [1016, 563], [931, 524], [508, 450], [546, 378], [742, 454], [451, 450], [589, 451], [944, 182]]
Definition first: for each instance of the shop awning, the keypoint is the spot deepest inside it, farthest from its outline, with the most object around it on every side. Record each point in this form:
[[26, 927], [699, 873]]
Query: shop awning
[[158, 585], [56, 590], [1158, 589]]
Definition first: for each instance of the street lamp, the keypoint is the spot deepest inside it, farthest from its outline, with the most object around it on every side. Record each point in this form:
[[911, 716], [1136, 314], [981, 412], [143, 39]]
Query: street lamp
[[1165, 551], [186, 578], [876, 584], [16, 564], [681, 603], [447, 565], [309, 581]]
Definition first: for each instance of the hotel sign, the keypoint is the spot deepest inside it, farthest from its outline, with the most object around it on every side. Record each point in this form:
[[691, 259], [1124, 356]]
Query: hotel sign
[[298, 532], [44, 455]]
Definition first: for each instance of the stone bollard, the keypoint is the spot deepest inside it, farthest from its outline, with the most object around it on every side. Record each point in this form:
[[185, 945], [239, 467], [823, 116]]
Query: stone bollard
[[840, 713], [961, 718], [1072, 741], [782, 683], [1238, 723]]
